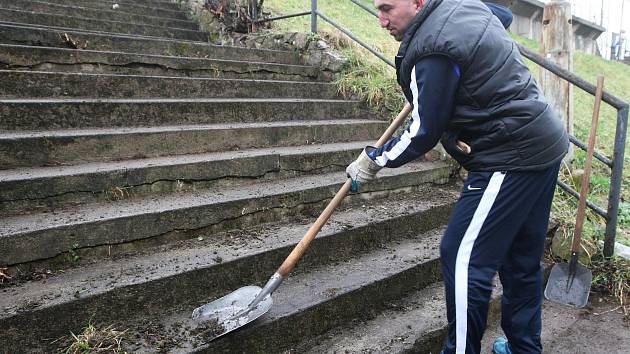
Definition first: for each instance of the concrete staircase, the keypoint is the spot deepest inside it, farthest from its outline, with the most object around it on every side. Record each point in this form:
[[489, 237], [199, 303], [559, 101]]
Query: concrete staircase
[[144, 172]]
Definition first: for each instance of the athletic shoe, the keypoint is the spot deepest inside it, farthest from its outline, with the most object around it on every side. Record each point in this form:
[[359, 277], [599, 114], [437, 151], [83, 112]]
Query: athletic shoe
[[501, 346]]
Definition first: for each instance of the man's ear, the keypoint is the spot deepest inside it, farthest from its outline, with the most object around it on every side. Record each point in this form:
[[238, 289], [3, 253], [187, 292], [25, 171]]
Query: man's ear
[[419, 4]]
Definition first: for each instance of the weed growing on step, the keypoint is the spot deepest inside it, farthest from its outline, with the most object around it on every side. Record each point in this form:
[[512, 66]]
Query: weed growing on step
[[73, 256], [96, 340]]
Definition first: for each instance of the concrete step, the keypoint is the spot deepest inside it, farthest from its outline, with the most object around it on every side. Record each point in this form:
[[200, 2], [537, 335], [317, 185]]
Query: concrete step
[[99, 14], [104, 62], [36, 84], [40, 114], [313, 302], [155, 282], [20, 34], [63, 147], [412, 324], [99, 227], [126, 7], [415, 323], [92, 24], [47, 189]]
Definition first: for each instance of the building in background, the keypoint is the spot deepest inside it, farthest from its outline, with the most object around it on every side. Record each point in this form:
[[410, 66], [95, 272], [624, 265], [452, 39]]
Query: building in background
[[597, 24], [614, 15]]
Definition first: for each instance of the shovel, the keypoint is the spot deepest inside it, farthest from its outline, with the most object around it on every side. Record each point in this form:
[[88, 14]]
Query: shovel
[[250, 302], [570, 284]]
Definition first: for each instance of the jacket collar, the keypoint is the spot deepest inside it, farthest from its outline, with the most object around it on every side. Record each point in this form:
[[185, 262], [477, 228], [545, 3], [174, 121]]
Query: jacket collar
[[426, 10]]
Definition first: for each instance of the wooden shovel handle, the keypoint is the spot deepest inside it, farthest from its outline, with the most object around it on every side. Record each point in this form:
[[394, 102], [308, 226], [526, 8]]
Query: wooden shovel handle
[[295, 255], [579, 220]]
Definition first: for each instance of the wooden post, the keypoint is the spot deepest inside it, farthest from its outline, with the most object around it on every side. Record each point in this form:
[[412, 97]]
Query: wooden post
[[557, 46]]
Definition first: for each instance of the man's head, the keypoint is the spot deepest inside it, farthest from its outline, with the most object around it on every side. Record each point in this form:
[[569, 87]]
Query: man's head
[[396, 15]]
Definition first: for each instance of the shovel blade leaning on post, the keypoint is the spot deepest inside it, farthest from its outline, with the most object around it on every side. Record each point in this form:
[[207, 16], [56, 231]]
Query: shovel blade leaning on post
[[564, 288], [570, 283]]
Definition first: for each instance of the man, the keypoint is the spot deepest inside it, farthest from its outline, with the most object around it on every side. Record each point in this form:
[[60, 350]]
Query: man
[[467, 82]]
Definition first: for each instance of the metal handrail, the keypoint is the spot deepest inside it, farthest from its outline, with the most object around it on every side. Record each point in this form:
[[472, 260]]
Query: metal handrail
[[605, 160], [622, 107], [269, 19], [364, 7], [349, 34]]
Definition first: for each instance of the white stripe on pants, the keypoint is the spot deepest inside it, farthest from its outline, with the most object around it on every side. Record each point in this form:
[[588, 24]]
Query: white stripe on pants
[[463, 258]]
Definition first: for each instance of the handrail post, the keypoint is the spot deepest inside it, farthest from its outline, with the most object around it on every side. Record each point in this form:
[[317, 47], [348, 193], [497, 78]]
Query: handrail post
[[314, 16], [254, 14], [615, 181]]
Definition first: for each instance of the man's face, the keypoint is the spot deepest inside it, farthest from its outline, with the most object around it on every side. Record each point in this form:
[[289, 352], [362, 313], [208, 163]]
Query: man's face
[[396, 15]]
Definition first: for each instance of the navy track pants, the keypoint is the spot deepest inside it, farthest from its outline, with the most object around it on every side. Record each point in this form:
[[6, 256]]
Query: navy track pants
[[498, 224]]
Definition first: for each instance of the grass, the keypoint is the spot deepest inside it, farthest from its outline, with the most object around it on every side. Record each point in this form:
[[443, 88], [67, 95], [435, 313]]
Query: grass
[[358, 21], [611, 278], [366, 76], [96, 340], [375, 82]]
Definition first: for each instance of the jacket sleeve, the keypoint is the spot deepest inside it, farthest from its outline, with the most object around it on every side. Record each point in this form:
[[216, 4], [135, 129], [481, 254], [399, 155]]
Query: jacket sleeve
[[434, 82]]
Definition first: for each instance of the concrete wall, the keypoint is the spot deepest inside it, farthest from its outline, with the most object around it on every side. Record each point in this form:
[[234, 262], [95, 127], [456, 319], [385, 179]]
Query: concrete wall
[[528, 23]]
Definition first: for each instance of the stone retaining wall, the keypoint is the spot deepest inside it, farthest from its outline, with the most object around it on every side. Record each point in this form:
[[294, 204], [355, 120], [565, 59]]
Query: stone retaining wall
[[228, 22]]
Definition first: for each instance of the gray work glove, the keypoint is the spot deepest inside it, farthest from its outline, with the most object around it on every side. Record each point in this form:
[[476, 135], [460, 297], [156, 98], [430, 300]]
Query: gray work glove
[[362, 170]]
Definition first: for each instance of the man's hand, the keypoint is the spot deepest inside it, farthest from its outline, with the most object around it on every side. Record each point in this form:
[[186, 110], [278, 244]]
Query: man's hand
[[362, 170]]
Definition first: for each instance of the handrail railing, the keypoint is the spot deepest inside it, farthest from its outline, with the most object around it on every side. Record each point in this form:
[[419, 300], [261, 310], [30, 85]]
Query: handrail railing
[[364, 7], [349, 34], [622, 107]]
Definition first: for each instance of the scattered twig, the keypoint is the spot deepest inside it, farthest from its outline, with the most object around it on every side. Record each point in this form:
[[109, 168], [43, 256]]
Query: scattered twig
[[75, 44], [607, 311], [4, 275], [118, 193]]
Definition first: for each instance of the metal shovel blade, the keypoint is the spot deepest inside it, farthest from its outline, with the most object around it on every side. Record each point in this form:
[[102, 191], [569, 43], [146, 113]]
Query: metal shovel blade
[[230, 312], [564, 289]]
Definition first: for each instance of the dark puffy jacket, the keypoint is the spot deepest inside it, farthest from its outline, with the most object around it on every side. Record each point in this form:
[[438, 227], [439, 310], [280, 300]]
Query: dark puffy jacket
[[499, 110]]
